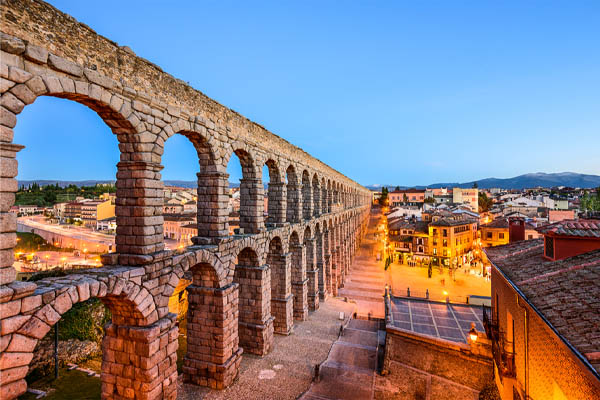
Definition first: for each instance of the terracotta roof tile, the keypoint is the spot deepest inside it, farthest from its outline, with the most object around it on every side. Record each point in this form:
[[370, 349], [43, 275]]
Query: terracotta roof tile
[[580, 228], [566, 292]]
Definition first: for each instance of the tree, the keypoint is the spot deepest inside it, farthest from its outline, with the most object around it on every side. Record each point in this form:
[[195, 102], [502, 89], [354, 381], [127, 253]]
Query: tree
[[475, 185], [485, 203], [384, 196], [429, 200], [397, 188]]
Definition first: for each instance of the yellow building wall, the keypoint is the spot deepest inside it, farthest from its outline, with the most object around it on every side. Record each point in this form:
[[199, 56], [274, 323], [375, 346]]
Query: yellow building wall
[[105, 210], [495, 240]]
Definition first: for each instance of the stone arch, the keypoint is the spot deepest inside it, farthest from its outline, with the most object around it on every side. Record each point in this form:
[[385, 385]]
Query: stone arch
[[276, 194], [251, 190], [255, 322], [132, 308], [281, 286], [307, 201], [324, 196], [294, 195], [23, 88], [213, 354], [316, 193]]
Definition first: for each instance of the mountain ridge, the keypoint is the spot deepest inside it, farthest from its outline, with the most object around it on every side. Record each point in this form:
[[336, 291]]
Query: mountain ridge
[[530, 180]]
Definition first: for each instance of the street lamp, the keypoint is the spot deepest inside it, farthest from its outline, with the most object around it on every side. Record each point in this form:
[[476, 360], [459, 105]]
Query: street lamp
[[473, 333]]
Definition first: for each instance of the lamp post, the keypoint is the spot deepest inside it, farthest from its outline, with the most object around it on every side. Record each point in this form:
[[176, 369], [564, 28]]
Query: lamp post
[[473, 335]]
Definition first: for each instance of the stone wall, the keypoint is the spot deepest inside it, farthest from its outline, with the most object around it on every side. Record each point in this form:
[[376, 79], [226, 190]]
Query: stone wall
[[44, 52], [418, 366]]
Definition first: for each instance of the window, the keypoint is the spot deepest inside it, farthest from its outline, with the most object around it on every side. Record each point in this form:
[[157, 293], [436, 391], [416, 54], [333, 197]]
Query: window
[[489, 235], [445, 233], [501, 235], [529, 237], [434, 231], [445, 243], [434, 251], [457, 242]]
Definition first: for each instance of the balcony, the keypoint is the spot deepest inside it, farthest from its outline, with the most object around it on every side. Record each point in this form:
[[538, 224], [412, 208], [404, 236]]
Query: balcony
[[502, 350]]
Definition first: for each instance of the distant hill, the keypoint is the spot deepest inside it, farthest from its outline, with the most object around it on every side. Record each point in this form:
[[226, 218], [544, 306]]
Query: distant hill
[[538, 179]]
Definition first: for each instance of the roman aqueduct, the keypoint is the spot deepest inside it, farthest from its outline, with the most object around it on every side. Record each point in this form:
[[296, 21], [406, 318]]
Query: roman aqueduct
[[245, 287]]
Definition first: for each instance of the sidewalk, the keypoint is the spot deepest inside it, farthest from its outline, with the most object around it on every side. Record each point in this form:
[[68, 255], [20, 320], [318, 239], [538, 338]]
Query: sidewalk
[[366, 281]]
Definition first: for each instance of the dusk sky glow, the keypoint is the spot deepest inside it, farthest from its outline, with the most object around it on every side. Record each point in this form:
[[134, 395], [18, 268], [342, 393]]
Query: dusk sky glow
[[403, 93]]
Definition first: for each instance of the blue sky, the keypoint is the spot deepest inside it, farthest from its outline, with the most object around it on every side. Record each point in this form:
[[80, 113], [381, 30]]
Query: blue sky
[[391, 92]]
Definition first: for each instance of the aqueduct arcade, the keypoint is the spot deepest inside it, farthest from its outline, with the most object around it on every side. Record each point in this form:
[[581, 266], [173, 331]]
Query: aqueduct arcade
[[245, 287]]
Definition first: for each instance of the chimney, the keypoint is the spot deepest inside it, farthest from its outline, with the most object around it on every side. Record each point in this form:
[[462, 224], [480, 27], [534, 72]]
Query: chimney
[[516, 229]]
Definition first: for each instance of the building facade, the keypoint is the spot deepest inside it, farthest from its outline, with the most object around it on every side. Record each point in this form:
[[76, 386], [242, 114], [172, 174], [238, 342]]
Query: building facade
[[545, 319]]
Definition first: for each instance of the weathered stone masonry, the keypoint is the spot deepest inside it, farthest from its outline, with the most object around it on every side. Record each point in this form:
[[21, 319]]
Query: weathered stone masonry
[[245, 287]]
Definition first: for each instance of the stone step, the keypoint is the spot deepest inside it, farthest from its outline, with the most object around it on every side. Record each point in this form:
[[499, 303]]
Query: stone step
[[365, 288], [364, 325], [359, 295], [345, 353], [360, 337]]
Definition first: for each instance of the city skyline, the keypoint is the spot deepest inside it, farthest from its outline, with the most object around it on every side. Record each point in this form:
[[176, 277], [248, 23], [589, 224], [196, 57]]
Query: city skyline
[[372, 93]]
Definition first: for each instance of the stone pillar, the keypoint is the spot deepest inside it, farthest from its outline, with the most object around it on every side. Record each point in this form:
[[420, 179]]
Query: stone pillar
[[213, 201], [255, 320], [312, 273], [316, 193], [140, 362], [281, 293], [335, 273], [139, 209], [251, 205], [294, 203], [8, 220], [307, 201], [320, 260], [340, 265], [277, 204], [299, 282], [213, 355]]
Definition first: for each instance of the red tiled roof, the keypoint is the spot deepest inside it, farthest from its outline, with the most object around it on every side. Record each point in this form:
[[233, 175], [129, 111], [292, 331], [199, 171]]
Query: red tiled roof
[[578, 228], [565, 292], [503, 223]]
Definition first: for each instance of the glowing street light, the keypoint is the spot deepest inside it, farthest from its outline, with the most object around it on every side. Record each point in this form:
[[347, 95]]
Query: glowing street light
[[473, 333]]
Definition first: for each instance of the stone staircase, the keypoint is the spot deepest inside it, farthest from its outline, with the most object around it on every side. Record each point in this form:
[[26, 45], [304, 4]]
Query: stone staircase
[[349, 371]]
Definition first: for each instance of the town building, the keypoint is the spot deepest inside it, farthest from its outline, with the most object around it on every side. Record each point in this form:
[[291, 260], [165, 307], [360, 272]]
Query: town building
[[95, 210], [180, 227], [497, 232], [59, 210], [470, 197], [560, 215], [107, 224], [545, 317], [73, 210], [28, 209], [406, 196], [452, 240]]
